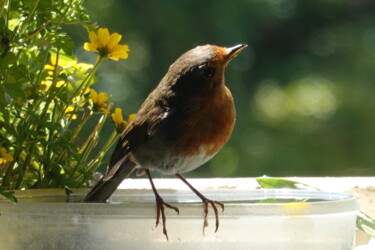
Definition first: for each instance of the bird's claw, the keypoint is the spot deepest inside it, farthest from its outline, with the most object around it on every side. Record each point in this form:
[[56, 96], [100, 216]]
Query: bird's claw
[[160, 212], [213, 205]]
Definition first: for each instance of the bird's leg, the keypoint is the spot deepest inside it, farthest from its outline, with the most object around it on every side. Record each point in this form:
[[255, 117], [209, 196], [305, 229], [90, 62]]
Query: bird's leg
[[160, 205], [205, 203]]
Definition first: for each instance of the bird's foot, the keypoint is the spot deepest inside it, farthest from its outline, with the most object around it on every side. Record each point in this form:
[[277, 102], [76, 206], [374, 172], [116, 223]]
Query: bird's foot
[[160, 204], [213, 205]]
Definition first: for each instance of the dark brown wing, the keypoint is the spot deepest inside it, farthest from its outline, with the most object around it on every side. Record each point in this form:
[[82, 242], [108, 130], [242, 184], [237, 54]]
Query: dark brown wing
[[153, 111]]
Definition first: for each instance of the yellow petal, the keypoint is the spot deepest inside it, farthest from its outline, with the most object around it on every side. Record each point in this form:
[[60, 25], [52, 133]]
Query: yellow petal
[[114, 39], [103, 37], [90, 47], [117, 116], [93, 94], [101, 98], [86, 91], [93, 37], [119, 52], [104, 110]]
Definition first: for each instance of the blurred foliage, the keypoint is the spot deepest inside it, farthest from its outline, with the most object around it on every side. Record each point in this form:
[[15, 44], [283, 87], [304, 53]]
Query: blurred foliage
[[45, 100], [304, 89]]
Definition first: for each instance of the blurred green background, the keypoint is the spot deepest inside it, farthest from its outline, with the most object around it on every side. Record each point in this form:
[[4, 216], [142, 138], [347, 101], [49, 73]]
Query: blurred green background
[[304, 88]]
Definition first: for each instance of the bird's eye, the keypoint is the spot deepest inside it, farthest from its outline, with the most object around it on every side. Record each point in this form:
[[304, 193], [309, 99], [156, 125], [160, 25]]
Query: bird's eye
[[209, 72]]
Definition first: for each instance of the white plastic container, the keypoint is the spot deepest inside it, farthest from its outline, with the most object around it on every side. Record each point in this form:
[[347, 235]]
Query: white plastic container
[[301, 220]]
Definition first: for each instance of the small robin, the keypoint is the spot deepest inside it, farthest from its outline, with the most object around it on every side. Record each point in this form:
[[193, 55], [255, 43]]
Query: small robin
[[181, 125]]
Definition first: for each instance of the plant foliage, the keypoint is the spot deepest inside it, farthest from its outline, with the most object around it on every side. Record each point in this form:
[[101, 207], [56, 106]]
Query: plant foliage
[[46, 97]]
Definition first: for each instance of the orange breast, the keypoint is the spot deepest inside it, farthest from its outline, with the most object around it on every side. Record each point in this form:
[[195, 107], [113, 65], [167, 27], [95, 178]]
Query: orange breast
[[211, 126]]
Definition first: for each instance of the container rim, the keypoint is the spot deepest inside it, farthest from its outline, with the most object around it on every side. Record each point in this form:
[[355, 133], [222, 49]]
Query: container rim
[[138, 202]]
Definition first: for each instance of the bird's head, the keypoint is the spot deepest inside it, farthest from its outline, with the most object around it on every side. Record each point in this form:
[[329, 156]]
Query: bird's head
[[201, 68]]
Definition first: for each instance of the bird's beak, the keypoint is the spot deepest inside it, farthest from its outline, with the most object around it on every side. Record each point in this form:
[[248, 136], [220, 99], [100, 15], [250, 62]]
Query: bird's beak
[[232, 52]]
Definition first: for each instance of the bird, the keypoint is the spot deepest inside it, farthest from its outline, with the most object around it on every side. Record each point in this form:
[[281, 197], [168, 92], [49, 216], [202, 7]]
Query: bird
[[181, 125]]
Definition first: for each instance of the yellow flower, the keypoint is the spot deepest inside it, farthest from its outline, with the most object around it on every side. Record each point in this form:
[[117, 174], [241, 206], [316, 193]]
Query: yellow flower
[[119, 120], [4, 156], [99, 101], [106, 45], [117, 117], [70, 113]]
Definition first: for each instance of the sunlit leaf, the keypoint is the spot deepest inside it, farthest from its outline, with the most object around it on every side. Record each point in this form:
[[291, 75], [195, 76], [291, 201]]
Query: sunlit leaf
[[270, 182], [366, 224]]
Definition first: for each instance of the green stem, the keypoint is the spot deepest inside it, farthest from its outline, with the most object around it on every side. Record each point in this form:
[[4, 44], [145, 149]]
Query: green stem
[[91, 142], [36, 31], [93, 133], [16, 156], [37, 103], [85, 117], [5, 181], [52, 92], [7, 15], [25, 166], [2, 6], [96, 161], [84, 154], [50, 142]]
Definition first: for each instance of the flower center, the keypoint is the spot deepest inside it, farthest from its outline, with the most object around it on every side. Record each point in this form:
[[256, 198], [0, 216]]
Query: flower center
[[103, 51]]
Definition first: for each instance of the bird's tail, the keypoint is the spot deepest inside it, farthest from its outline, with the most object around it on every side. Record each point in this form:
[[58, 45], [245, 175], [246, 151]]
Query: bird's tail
[[108, 184]]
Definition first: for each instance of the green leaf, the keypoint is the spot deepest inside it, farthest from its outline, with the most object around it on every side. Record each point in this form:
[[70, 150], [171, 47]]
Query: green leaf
[[366, 224], [63, 42], [14, 90], [16, 74], [62, 56], [269, 182], [8, 194], [8, 60]]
